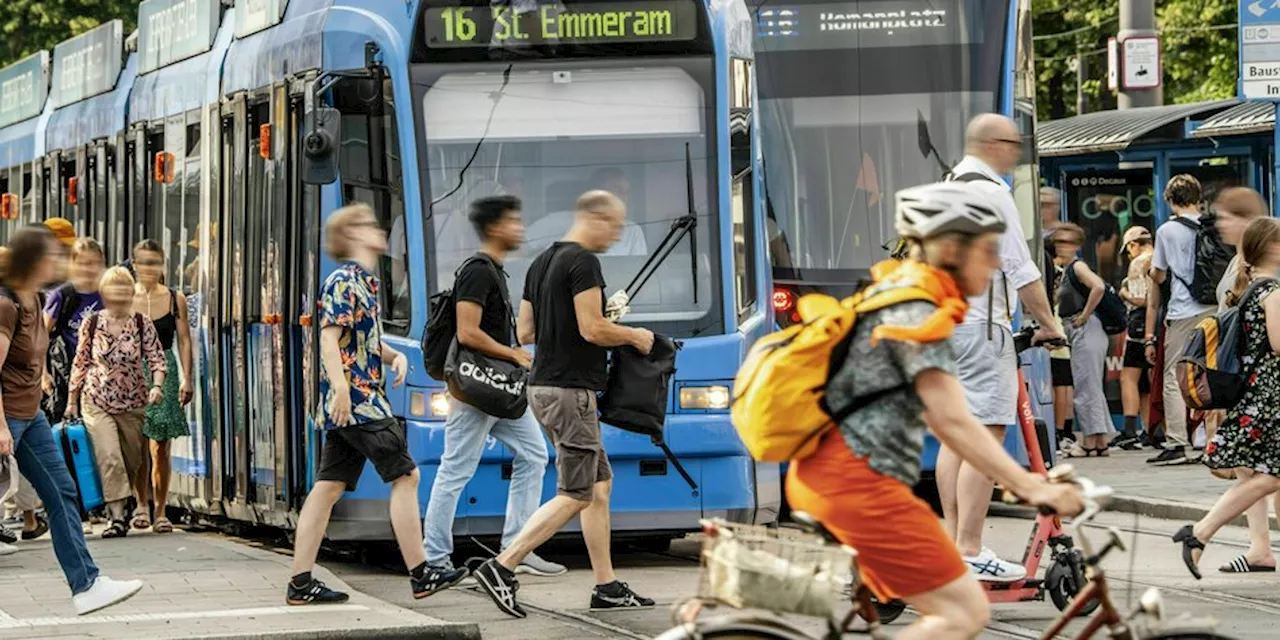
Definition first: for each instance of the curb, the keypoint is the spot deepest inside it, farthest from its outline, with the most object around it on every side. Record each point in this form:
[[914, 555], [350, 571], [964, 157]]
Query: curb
[[1170, 510], [443, 631], [1140, 505]]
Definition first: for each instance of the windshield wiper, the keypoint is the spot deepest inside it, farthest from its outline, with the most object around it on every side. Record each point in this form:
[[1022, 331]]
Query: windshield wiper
[[686, 224], [497, 97], [925, 141]]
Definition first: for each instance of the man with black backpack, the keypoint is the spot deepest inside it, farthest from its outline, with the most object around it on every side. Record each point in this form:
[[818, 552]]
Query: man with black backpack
[[1191, 257], [484, 323]]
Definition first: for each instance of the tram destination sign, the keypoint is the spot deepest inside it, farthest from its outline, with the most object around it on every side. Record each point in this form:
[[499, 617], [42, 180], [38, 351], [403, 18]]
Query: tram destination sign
[[174, 30], [88, 64], [24, 85], [844, 25], [253, 16], [561, 23]]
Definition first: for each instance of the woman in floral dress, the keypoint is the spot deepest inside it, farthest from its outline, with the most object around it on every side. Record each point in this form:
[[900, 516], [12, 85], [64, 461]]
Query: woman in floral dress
[[1249, 438]]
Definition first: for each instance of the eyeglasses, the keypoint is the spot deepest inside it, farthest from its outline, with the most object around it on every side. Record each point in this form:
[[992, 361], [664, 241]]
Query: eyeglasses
[[367, 224], [149, 263], [1016, 143]]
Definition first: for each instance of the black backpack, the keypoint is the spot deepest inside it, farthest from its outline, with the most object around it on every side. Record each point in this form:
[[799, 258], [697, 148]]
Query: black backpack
[[442, 326], [1111, 311], [1212, 258], [58, 359]]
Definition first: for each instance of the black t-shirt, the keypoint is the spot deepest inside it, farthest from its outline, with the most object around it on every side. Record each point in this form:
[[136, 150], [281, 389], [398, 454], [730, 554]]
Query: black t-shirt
[[478, 282], [564, 357]]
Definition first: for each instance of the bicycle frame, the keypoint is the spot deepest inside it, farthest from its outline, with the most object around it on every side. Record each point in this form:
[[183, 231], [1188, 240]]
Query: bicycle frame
[[1107, 616], [1045, 528]]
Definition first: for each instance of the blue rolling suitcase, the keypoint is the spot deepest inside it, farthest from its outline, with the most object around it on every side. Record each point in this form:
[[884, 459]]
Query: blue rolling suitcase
[[78, 452]]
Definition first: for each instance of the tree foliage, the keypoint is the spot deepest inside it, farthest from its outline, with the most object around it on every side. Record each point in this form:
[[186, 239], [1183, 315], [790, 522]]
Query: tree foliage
[[1197, 42], [27, 26]]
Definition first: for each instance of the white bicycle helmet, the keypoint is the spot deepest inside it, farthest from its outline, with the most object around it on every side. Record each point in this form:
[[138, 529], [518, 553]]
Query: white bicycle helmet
[[945, 207]]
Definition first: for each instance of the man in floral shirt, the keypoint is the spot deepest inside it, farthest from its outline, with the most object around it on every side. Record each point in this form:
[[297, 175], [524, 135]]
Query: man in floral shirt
[[354, 412]]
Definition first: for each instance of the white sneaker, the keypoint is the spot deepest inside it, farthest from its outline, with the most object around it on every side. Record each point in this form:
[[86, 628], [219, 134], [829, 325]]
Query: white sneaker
[[104, 593], [539, 566], [989, 568], [7, 549]]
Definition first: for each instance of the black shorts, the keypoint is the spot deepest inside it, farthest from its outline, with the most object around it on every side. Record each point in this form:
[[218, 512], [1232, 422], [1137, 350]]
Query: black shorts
[[383, 443], [1060, 371], [1135, 357]]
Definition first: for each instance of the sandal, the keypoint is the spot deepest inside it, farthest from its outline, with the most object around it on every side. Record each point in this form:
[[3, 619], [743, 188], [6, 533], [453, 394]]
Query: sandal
[[1241, 565], [162, 525], [1103, 452], [140, 519], [117, 529], [1190, 544]]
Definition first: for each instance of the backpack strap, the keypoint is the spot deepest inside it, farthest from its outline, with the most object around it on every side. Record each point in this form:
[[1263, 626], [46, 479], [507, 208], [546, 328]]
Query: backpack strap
[[173, 303], [972, 176], [1194, 226]]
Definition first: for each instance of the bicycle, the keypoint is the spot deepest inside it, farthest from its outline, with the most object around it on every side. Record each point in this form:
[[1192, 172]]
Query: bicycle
[[805, 573]]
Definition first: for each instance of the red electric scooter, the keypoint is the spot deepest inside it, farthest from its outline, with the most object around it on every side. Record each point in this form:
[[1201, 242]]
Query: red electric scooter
[[1065, 576]]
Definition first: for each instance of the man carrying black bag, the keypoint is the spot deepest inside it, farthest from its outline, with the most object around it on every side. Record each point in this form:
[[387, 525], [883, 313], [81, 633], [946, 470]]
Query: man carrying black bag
[[563, 313], [483, 344]]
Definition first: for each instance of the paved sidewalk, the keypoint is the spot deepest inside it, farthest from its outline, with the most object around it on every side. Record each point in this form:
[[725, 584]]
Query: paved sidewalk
[[1182, 493], [197, 586]]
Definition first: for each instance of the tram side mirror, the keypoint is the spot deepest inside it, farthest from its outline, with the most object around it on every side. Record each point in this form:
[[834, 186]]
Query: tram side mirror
[[320, 146]]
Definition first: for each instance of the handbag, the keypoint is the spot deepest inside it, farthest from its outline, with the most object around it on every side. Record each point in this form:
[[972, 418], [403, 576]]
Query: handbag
[[492, 385]]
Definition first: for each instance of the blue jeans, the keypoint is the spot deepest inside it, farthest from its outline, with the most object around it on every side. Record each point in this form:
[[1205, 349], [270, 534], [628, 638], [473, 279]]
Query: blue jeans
[[40, 461], [465, 433]]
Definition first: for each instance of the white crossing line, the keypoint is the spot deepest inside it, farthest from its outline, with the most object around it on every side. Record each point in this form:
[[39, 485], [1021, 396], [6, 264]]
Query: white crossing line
[[9, 622]]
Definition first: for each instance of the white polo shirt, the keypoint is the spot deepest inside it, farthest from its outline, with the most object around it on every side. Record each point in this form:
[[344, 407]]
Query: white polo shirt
[[1017, 268]]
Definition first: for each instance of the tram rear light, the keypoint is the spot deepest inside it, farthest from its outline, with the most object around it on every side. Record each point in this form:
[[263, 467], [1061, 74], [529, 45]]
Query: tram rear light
[[784, 300], [8, 206], [264, 141], [73, 186], [418, 404]]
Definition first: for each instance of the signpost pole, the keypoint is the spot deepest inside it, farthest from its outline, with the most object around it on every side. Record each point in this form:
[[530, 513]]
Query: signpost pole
[[1138, 23]]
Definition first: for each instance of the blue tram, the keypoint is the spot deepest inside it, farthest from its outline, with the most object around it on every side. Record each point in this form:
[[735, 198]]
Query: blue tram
[[860, 98], [199, 131]]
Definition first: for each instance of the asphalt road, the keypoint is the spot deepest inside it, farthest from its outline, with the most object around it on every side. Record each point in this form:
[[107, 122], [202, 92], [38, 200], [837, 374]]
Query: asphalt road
[[1245, 607]]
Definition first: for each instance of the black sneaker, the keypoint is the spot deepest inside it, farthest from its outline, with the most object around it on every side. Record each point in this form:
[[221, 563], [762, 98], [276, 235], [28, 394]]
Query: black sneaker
[[501, 585], [7, 536], [437, 579], [617, 595], [314, 592], [1128, 442], [1169, 457]]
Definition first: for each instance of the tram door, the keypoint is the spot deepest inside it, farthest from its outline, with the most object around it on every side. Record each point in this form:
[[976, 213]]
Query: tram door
[[301, 284], [95, 189], [231, 310]]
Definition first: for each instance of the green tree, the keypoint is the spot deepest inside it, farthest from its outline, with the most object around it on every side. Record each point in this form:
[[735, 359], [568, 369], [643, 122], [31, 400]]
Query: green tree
[[1198, 51], [27, 26]]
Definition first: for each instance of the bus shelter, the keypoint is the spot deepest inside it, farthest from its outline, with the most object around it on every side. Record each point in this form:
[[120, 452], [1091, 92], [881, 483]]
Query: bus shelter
[[1111, 168]]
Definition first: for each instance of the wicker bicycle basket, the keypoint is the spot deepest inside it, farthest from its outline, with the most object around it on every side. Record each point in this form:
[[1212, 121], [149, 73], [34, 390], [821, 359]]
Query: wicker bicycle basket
[[779, 570]]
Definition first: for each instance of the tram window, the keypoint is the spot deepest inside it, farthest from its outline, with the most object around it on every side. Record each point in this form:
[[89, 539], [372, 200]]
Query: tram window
[[187, 252], [4, 189], [257, 213], [743, 190], [28, 193], [375, 179], [170, 226]]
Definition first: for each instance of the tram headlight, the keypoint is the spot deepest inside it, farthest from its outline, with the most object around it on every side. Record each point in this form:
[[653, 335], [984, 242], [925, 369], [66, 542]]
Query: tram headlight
[[706, 398], [440, 404]]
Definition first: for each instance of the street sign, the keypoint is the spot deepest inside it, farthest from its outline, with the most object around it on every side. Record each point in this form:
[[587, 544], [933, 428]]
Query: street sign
[[1260, 49], [1140, 68]]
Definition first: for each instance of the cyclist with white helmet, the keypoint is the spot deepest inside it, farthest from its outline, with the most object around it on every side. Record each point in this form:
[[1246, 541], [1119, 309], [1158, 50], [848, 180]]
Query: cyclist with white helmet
[[901, 368]]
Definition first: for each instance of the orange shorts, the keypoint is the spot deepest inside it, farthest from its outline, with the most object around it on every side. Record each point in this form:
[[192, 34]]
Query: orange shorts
[[902, 548]]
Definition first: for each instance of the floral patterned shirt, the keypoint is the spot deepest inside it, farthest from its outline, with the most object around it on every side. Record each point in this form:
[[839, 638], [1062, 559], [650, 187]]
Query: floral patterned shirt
[[349, 299], [109, 367]]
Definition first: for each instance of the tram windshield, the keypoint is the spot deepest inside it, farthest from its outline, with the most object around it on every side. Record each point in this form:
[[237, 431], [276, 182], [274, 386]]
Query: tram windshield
[[547, 134], [860, 99]]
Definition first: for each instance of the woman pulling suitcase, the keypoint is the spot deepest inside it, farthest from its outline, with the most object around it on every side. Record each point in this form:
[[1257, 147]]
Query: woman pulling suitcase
[[25, 266]]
